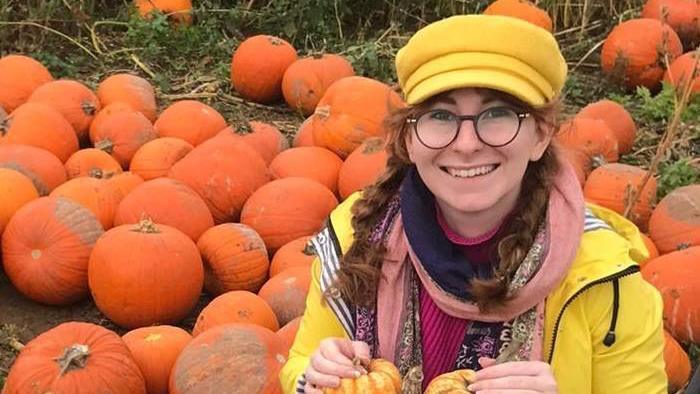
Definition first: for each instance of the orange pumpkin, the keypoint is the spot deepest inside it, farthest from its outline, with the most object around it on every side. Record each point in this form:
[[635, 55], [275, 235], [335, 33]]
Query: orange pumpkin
[[105, 113], [92, 162], [289, 332], [362, 167], [304, 135], [675, 276], [677, 364], [155, 158], [130, 89], [591, 136], [123, 183], [122, 134], [265, 138], [651, 248], [351, 110], [634, 51], [521, 9], [286, 293], [680, 71], [297, 253], [93, 194], [452, 382], [238, 306], [155, 270], [41, 166], [681, 15], [675, 222], [312, 162], [580, 161], [247, 358], [258, 66], [286, 209], [19, 77], [75, 357], [190, 120], [45, 249], [42, 126], [179, 11], [155, 350], [382, 378], [16, 190], [616, 118], [75, 101], [225, 172], [611, 186], [234, 257], [307, 79], [166, 201]]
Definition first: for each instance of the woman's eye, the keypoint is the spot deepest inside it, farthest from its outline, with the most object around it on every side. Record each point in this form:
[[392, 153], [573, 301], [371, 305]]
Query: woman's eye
[[444, 116], [496, 113]]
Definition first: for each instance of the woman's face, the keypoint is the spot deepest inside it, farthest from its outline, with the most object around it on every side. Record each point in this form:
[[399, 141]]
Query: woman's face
[[468, 176]]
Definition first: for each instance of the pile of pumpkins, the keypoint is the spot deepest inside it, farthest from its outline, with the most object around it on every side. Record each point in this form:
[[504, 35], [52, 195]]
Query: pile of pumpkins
[[158, 206]]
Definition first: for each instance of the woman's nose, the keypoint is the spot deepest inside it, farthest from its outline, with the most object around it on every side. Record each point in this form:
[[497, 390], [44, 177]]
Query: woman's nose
[[467, 140]]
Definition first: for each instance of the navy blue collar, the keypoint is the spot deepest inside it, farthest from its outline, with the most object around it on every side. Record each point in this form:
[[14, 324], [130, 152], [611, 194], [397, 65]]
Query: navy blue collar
[[444, 261]]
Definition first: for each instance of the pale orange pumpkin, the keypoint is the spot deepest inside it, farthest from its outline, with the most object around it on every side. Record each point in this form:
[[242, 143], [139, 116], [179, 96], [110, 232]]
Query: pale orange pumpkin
[[351, 110], [265, 138], [75, 101], [682, 15], [591, 136], [41, 166], [680, 71], [677, 364], [382, 378], [42, 126], [93, 194], [296, 253], [286, 209], [247, 359], [19, 76], [154, 269], [258, 66], [130, 89], [16, 190], [179, 11], [616, 117], [634, 51], [121, 134], [155, 350], [106, 112], [651, 248], [92, 162], [286, 293], [362, 167], [235, 258], [304, 135], [189, 120], [306, 80], [580, 161], [675, 276], [312, 162], [123, 183], [46, 247], [75, 357], [237, 306], [289, 332], [675, 222], [455, 382], [156, 157], [521, 9]]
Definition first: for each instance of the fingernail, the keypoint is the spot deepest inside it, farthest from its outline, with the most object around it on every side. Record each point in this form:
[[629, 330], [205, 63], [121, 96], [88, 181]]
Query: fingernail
[[471, 387], [356, 374]]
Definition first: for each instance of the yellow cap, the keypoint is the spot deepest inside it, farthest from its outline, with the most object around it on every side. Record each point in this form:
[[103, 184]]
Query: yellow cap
[[488, 51]]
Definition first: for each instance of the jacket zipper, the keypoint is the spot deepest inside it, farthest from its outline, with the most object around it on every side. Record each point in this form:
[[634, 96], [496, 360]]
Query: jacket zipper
[[627, 271]]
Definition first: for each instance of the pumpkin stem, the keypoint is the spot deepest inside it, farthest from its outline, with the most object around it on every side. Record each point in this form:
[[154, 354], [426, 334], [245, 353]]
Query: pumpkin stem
[[413, 381], [309, 249], [323, 112], [244, 128], [146, 225], [96, 173], [5, 126], [88, 108], [105, 145], [74, 357], [373, 145]]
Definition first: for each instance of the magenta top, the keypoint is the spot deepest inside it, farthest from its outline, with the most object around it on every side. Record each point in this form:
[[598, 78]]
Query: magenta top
[[442, 334]]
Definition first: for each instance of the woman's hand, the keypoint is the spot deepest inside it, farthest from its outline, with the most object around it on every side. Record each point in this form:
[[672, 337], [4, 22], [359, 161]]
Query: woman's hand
[[332, 361], [516, 377]]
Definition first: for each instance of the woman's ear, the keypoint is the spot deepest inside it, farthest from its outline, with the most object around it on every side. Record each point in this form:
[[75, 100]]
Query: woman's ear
[[544, 134]]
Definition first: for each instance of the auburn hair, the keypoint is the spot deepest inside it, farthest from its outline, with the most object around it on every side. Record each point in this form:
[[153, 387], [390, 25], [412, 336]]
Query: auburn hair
[[360, 266]]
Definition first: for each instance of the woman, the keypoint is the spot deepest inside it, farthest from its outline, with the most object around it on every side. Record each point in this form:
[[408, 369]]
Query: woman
[[475, 248]]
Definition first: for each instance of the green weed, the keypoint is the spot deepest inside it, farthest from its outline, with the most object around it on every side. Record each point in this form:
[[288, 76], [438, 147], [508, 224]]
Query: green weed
[[674, 175]]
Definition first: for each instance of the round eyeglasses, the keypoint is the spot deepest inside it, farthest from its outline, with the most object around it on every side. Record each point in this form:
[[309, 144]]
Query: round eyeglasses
[[495, 127]]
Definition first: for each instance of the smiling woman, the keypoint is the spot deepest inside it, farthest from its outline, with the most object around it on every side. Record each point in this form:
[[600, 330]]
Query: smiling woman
[[475, 247]]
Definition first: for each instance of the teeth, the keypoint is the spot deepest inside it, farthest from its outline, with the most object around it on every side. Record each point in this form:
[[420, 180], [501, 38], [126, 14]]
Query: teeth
[[471, 172]]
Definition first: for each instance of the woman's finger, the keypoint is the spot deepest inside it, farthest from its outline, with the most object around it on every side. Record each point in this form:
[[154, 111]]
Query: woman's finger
[[316, 378], [310, 389], [527, 368], [361, 351], [531, 383], [328, 366]]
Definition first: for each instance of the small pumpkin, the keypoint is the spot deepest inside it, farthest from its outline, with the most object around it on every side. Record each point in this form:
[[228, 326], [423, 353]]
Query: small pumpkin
[[106, 112], [247, 359], [156, 157], [16, 190], [591, 136], [681, 70], [306, 80], [189, 120], [288, 332], [682, 15], [265, 138], [675, 222], [258, 66], [75, 357], [521, 9], [155, 350], [154, 269], [93, 194], [382, 378], [651, 248], [75, 101], [39, 125], [122, 134], [19, 76], [286, 293], [41, 166], [455, 382], [618, 120], [45, 250], [235, 258], [312, 162], [179, 11], [123, 183], [677, 363], [130, 89], [580, 161], [92, 162], [634, 52], [237, 306], [362, 167], [304, 135], [296, 253], [286, 209]]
